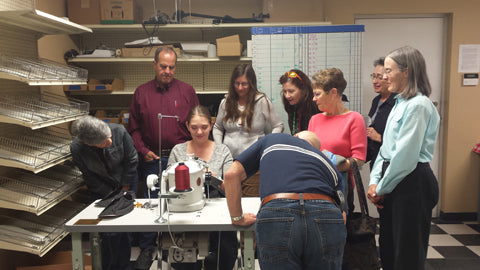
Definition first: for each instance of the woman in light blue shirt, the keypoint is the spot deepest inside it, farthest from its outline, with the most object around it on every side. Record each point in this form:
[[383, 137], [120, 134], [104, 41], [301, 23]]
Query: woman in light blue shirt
[[402, 184]]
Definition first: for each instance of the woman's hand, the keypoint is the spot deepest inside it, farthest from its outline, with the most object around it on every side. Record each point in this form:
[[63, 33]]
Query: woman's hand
[[373, 197], [373, 134]]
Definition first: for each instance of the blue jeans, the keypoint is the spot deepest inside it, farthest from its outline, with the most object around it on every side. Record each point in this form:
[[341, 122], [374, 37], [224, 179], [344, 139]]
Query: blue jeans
[[146, 240], [290, 235]]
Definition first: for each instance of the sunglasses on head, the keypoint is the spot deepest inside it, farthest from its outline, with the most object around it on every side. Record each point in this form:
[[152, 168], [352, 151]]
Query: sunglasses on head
[[293, 75]]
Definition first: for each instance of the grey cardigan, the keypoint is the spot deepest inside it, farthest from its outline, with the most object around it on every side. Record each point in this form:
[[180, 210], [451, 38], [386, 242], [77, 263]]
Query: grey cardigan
[[236, 136], [219, 162]]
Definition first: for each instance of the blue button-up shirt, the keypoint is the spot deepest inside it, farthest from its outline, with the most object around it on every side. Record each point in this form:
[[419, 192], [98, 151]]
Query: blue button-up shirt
[[409, 138]]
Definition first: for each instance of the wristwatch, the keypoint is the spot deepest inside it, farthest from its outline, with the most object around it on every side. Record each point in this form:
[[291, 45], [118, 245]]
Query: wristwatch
[[237, 218]]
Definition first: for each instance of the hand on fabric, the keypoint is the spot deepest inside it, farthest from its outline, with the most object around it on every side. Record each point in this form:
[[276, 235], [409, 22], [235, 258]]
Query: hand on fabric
[[373, 134], [150, 156], [344, 214], [247, 220], [373, 197]]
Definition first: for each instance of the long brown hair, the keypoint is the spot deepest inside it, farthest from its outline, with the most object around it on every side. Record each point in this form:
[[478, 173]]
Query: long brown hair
[[231, 104], [302, 82]]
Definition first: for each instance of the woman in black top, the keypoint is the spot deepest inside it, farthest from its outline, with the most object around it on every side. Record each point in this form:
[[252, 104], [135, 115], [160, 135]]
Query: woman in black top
[[382, 104], [297, 98]]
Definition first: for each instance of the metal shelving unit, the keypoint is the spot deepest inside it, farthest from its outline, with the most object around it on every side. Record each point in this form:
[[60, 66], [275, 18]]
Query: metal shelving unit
[[37, 193], [33, 209], [26, 232], [38, 111], [149, 60], [40, 71], [35, 150], [39, 21]]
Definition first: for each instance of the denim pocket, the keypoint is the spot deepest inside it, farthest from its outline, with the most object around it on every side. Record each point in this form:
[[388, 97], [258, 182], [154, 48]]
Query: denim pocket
[[273, 236], [333, 235]]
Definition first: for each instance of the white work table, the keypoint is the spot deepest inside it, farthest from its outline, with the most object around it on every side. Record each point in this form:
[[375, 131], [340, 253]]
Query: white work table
[[213, 217]]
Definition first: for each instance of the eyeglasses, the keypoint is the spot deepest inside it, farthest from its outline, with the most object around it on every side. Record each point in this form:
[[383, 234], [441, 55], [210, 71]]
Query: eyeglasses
[[378, 77], [387, 71], [244, 84], [293, 75]]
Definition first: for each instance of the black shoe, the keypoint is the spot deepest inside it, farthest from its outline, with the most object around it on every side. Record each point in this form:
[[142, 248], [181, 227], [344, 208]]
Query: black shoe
[[144, 260]]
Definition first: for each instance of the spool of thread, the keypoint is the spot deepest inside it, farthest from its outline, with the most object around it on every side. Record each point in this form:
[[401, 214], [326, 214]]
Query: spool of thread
[[182, 178]]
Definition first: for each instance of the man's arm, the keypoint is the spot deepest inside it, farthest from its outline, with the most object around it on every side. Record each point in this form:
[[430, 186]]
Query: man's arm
[[133, 128], [233, 192]]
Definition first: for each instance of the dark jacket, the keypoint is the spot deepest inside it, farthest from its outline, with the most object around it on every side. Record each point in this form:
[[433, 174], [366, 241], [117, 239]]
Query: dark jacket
[[119, 168], [378, 124], [304, 118]]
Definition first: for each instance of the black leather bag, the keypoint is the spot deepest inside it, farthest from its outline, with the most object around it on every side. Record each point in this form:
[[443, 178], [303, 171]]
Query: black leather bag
[[360, 249]]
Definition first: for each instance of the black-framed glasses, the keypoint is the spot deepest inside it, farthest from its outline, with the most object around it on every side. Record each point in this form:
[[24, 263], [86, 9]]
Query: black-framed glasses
[[377, 77], [293, 75]]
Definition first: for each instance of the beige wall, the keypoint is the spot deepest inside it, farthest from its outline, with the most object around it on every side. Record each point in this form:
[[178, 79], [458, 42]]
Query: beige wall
[[461, 130], [461, 168]]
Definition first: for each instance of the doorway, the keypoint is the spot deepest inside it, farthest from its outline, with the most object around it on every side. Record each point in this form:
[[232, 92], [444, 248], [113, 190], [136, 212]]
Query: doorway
[[427, 33]]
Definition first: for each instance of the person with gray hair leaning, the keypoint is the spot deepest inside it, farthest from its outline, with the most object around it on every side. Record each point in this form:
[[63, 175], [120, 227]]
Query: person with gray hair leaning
[[105, 155]]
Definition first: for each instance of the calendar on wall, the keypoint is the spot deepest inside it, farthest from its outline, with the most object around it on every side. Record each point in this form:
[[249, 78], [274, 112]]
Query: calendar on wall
[[275, 50]]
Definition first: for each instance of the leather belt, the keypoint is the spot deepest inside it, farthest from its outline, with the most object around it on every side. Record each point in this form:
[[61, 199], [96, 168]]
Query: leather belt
[[296, 196], [166, 153]]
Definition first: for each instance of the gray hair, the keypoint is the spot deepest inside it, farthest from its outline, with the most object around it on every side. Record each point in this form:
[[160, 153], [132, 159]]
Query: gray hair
[[410, 58], [91, 130], [166, 49]]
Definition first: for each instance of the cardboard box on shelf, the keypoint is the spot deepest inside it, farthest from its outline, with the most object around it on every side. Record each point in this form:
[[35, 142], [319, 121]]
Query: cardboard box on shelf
[[146, 51], [61, 260], [75, 87], [108, 117], [229, 46], [106, 85], [124, 116], [119, 11], [84, 11]]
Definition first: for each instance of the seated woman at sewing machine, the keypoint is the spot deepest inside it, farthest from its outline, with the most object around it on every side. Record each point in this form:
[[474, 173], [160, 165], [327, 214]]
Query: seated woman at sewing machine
[[218, 158]]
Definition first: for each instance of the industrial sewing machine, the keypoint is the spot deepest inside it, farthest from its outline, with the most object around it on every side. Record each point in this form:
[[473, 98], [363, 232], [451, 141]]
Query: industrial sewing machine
[[182, 189]]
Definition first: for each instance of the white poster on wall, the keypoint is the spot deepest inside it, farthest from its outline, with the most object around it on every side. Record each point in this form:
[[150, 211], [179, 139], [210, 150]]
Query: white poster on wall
[[469, 58]]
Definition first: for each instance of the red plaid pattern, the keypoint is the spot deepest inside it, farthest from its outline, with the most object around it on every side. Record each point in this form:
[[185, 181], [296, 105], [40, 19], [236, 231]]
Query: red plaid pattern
[[476, 149]]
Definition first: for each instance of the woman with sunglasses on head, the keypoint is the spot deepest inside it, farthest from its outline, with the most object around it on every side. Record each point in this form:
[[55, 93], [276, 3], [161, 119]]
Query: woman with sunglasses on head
[[382, 104], [341, 131], [243, 116], [402, 184], [297, 100]]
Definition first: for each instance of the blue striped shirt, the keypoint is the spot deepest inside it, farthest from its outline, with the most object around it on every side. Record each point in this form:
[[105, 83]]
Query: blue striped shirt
[[409, 138]]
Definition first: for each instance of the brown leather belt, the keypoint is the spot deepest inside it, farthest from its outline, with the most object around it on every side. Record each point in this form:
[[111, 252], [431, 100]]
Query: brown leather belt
[[166, 152], [296, 196]]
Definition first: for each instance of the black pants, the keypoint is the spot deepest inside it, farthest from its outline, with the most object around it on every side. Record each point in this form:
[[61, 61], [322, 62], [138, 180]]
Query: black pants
[[405, 220], [115, 248]]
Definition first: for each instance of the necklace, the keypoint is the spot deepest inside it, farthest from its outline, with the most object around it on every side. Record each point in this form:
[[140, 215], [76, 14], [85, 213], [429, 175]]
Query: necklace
[[295, 123]]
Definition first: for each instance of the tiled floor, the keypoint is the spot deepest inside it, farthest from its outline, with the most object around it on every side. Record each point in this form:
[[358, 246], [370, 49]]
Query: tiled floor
[[452, 246]]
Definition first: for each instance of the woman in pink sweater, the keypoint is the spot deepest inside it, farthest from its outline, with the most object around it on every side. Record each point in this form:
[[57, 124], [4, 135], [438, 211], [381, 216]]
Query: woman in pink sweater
[[340, 130]]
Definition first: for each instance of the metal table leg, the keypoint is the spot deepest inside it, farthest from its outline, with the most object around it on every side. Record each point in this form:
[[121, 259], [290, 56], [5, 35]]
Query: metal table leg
[[95, 249], [77, 252], [248, 251]]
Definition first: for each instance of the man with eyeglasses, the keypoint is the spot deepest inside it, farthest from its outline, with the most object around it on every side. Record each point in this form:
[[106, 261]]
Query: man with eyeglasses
[[382, 104], [105, 155], [170, 97]]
